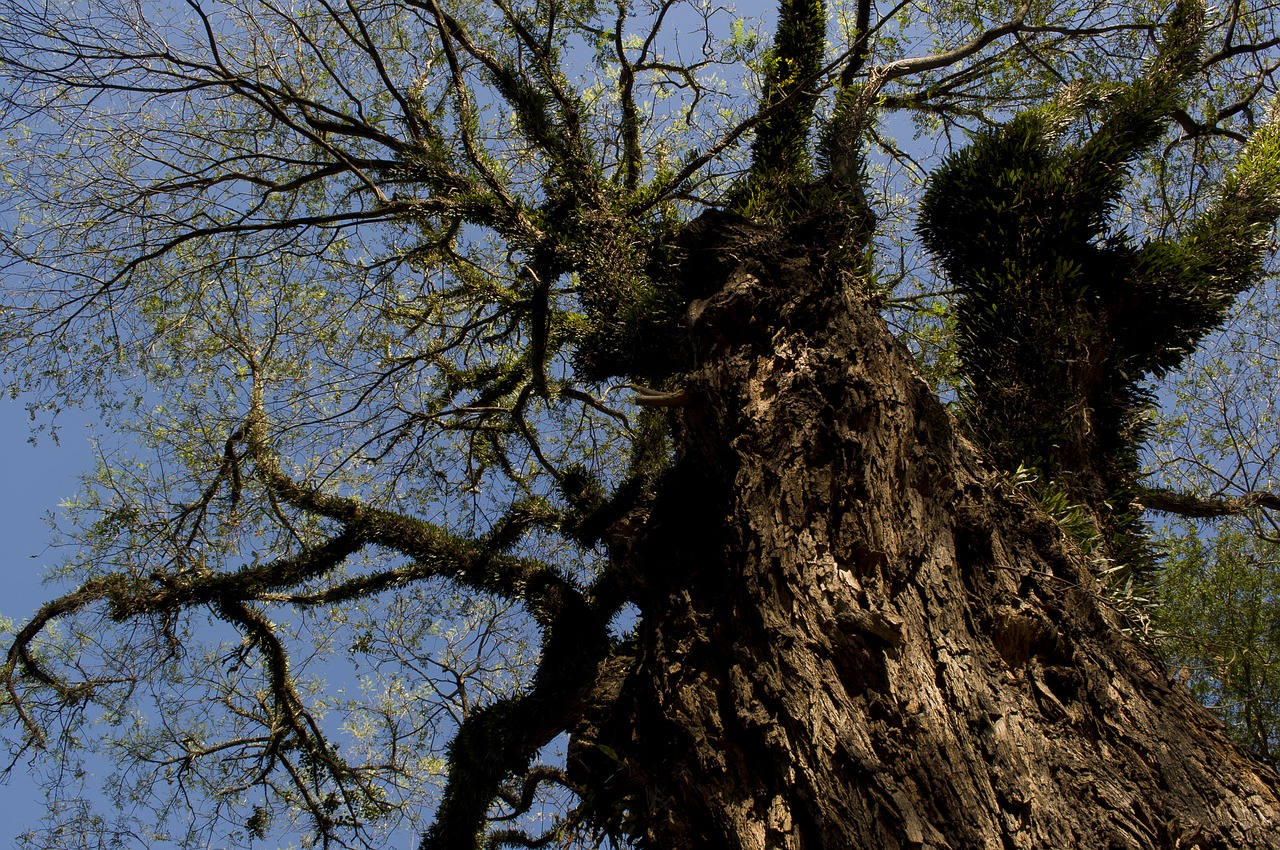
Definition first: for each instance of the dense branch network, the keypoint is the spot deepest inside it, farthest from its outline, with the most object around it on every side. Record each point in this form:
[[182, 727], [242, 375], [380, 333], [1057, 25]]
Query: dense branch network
[[411, 230]]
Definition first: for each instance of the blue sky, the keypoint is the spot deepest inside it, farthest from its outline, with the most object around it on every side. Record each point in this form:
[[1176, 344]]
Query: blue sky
[[34, 479]]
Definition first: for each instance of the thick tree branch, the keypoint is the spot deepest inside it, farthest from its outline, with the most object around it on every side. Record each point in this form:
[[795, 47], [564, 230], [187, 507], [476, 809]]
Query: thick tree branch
[[919, 65], [629, 125], [502, 739], [879, 76], [128, 597], [469, 562], [860, 50], [1201, 507]]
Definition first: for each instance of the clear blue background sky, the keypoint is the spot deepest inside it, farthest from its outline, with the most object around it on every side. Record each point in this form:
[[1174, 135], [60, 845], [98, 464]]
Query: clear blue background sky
[[33, 480]]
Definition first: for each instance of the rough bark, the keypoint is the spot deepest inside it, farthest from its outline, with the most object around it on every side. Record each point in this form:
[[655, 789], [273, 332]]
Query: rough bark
[[859, 635]]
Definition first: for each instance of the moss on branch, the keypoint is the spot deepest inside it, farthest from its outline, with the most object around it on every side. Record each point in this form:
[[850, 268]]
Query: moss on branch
[[1060, 318]]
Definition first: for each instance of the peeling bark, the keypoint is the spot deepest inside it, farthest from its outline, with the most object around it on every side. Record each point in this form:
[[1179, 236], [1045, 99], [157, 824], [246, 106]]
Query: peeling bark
[[860, 635]]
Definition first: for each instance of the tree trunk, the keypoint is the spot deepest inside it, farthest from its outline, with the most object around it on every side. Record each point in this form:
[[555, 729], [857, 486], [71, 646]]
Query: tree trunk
[[858, 635]]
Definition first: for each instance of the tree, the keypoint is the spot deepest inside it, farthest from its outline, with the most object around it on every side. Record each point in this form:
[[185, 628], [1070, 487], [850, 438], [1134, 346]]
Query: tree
[[515, 317], [1216, 588]]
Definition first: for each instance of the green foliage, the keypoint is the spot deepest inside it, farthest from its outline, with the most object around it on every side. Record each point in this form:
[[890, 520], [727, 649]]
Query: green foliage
[[1059, 319], [780, 149], [1217, 584], [1217, 614]]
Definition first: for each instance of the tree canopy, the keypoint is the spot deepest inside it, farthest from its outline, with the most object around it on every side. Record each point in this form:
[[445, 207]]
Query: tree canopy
[[395, 306]]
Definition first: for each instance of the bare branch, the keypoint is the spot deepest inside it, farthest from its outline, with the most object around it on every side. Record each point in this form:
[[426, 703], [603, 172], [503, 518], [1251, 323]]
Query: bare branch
[[1187, 505]]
